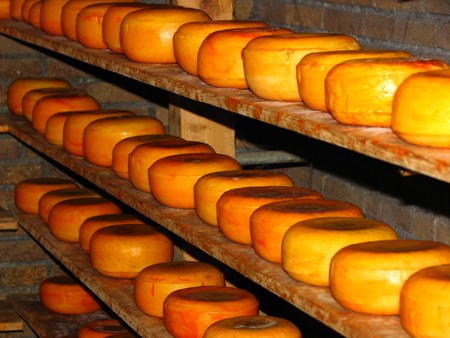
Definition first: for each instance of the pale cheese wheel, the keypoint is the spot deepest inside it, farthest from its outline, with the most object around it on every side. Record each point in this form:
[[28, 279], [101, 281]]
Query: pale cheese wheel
[[102, 328], [172, 178], [64, 295], [101, 136], [144, 155], [235, 207], [368, 277], [210, 187], [253, 327], [154, 283], [124, 250], [66, 217], [425, 302], [308, 246], [269, 223], [27, 193], [189, 312]]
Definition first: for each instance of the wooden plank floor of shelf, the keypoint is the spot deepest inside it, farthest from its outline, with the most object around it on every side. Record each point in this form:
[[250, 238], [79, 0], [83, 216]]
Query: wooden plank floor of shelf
[[316, 301], [7, 222], [9, 319]]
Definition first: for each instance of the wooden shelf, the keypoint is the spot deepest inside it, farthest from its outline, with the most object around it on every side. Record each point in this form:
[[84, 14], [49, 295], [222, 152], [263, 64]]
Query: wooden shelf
[[379, 143], [315, 301]]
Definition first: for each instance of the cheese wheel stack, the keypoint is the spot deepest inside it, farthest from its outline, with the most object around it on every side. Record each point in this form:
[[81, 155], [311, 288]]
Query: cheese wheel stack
[[102, 328]]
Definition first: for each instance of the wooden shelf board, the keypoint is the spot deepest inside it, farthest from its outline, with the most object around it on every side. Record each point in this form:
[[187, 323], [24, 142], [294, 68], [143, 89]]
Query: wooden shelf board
[[9, 319], [7, 222], [316, 301], [379, 143]]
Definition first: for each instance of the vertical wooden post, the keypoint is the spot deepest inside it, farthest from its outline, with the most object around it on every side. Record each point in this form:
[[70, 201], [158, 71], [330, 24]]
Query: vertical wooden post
[[217, 132]]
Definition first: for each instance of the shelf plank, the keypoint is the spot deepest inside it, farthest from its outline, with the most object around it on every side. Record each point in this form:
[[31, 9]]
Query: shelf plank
[[9, 319], [316, 301], [379, 143], [7, 222]]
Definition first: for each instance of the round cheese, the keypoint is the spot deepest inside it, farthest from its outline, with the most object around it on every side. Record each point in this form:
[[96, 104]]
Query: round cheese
[[100, 136], [51, 16], [172, 178], [66, 217], [144, 155], [308, 246], [189, 37], [219, 61], [156, 282], [360, 92], [16, 9], [210, 187], [368, 277], [425, 302], [146, 35], [54, 128], [26, 6], [270, 62], [421, 107], [253, 327], [102, 328], [124, 250], [314, 67], [189, 312], [5, 9], [27, 193], [269, 223], [34, 17], [235, 207], [64, 295]]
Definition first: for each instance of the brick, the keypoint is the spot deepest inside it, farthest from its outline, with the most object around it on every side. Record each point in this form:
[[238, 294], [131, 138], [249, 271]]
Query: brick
[[11, 174], [362, 2], [22, 276], [58, 68], [420, 32], [12, 69], [437, 6], [305, 16], [381, 26], [243, 9], [272, 11], [109, 92], [442, 229], [8, 46], [443, 39], [22, 251], [341, 21], [8, 147], [6, 195], [410, 6]]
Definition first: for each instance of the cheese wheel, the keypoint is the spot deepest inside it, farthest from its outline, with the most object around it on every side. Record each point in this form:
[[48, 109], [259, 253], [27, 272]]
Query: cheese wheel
[[66, 217], [5, 9], [219, 61], [54, 128], [308, 246], [30, 98], [25, 12], [16, 9], [27, 193], [235, 207], [360, 92], [19, 87], [73, 132], [269, 223], [51, 16], [189, 37], [156, 282], [49, 199], [64, 295], [172, 178], [58, 103], [34, 16], [425, 302], [124, 250], [189, 312], [123, 148], [144, 155], [92, 224], [210, 187], [69, 15], [270, 62], [102, 328], [101, 136], [421, 107], [314, 67], [368, 277], [253, 327], [146, 35], [89, 25]]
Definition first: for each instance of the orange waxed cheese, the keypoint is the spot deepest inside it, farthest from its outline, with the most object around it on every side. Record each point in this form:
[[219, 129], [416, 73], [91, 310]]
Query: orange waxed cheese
[[269, 223], [26, 6], [314, 67], [210, 187], [308, 246], [102, 328], [5, 9], [156, 282], [189, 37], [270, 62], [253, 327], [92, 224], [16, 9], [146, 35], [189, 312], [66, 217], [235, 207], [64, 295], [101, 136], [368, 277], [172, 178], [425, 302], [54, 128], [50, 19], [34, 16], [27, 193], [124, 250], [144, 155]]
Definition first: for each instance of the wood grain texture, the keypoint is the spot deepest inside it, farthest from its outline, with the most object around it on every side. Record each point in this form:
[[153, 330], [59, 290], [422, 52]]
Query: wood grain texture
[[7, 222], [9, 319]]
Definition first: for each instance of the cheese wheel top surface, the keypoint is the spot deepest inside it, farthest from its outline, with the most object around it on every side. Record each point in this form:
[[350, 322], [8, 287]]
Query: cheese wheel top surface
[[341, 224], [101, 328], [166, 15]]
